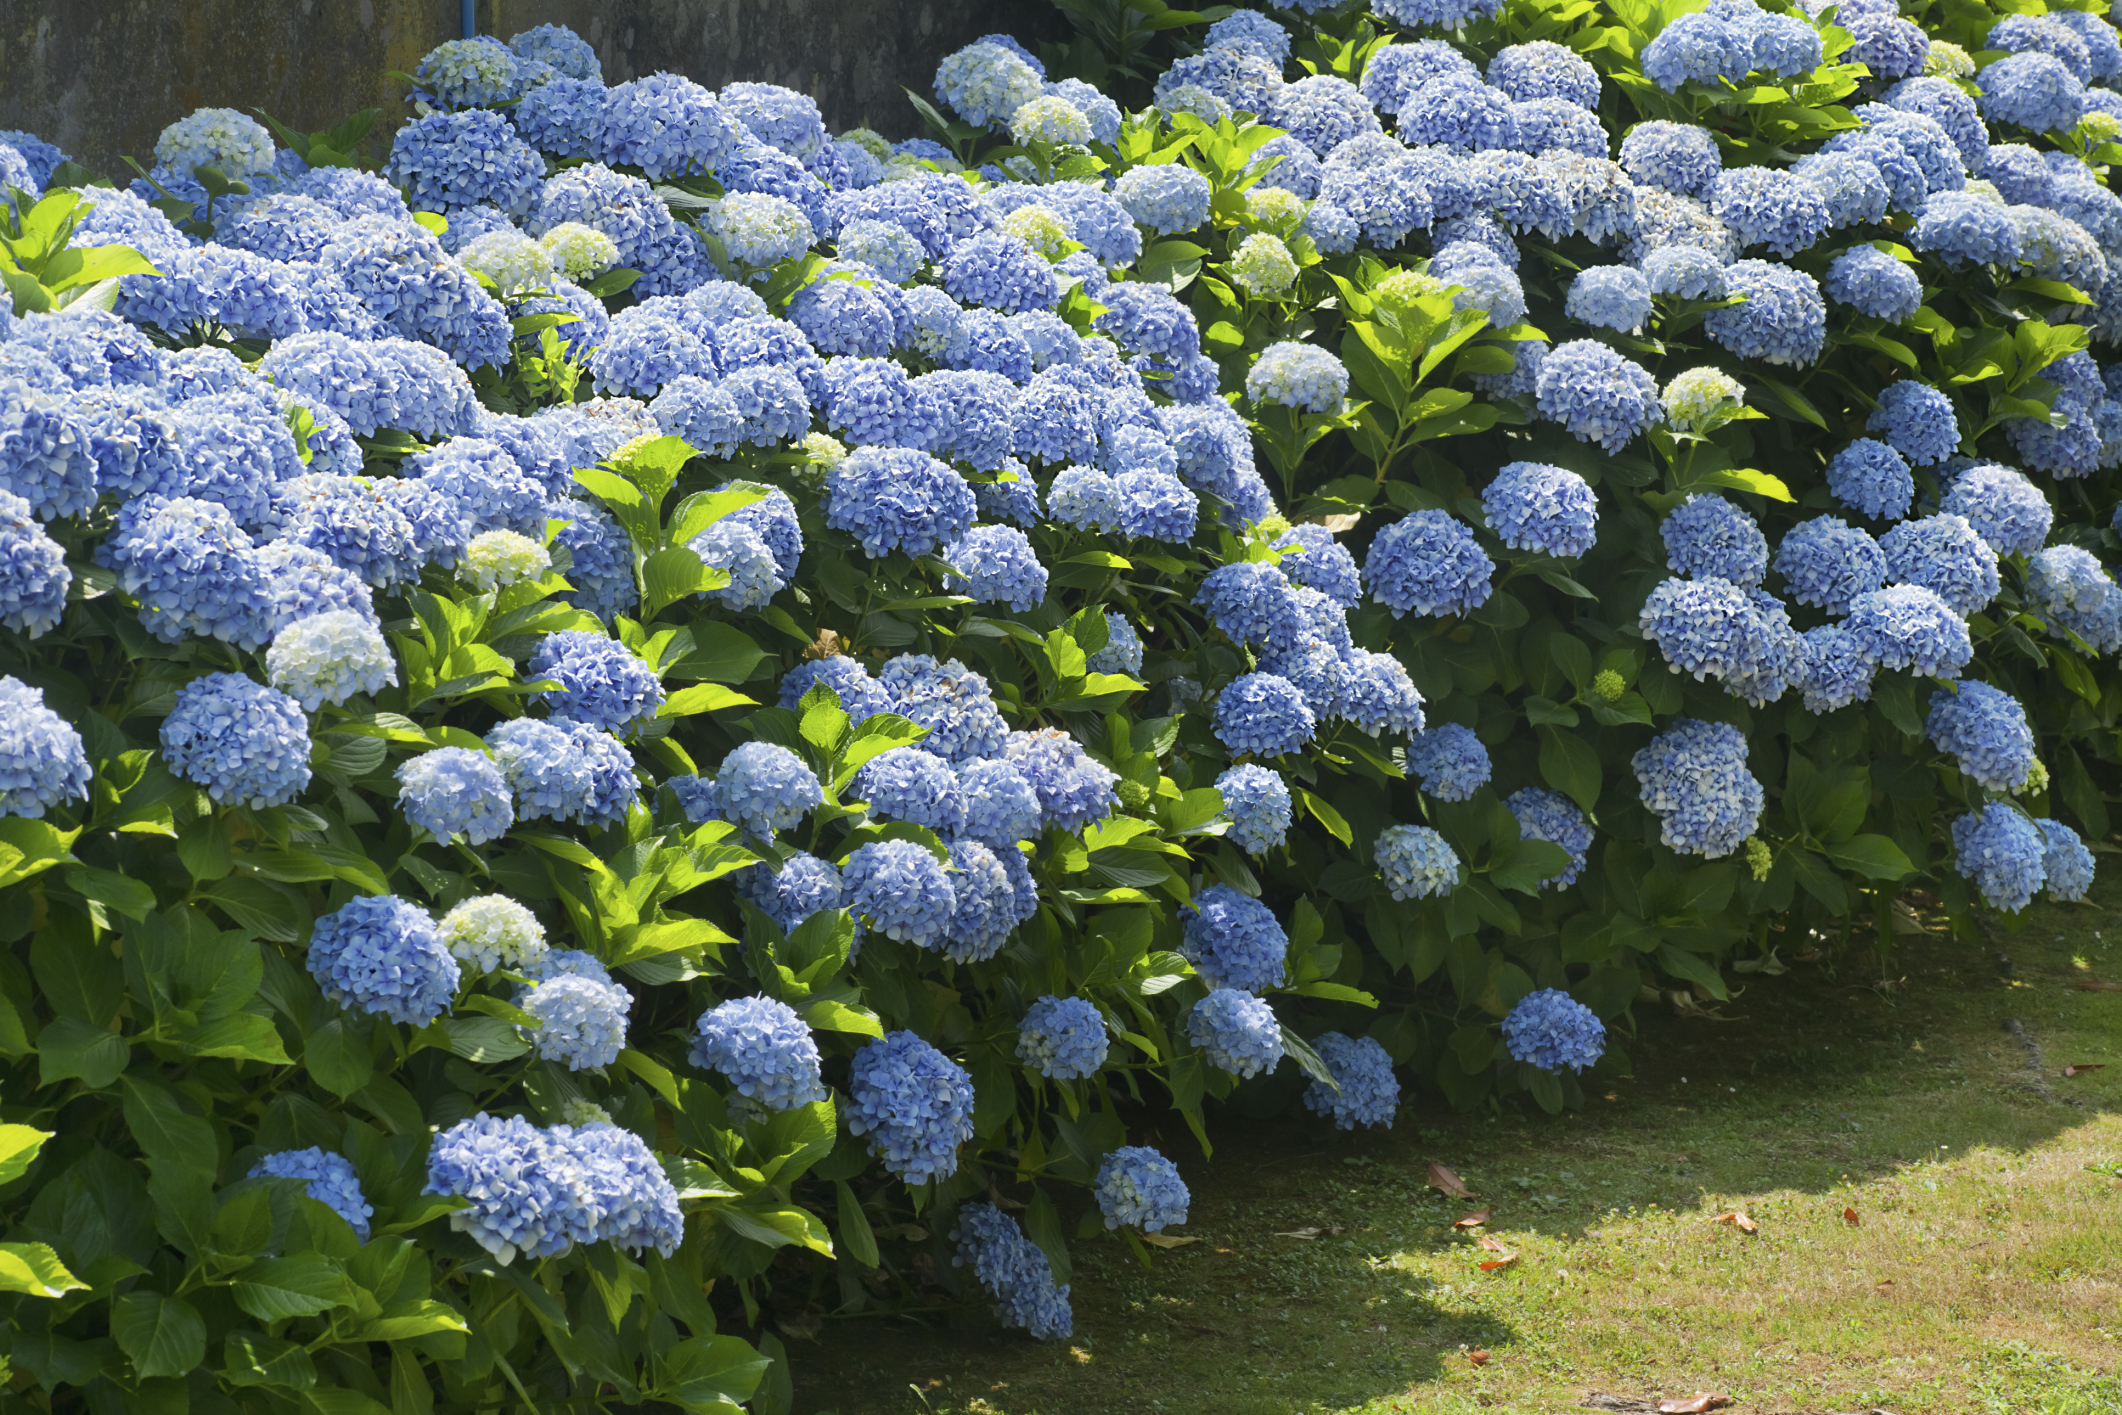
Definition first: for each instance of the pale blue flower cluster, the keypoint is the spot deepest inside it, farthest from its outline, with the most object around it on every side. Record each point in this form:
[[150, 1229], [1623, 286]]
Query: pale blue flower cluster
[[1597, 394], [1300, 376], [2067, 866], [914, 785], [899, 889], [42, 763], [1872, 479], [1062, 1038], [1365, 1091], [2004, 853], [492, 932], [601, 682], [567, 771], [914, 1103], [1236, 1031], [378, 953], [1428, 562], [1256, 802], [1264, 714], [1693, 778], [1449, 760], [1073, 788], [1827, 563], [1140, 1188], [328, 1178], [329, 657], [33, 573], [1165, 197], [1233, 940], [1986, 731], [1533, 506], [1943, 554], [1917, 420], [1550, 1029], [998, 566], [1908, 626], [244, 742], [1415, 862], [1835, 669], [764, 1049], [1014, 1271], [1873, 283], [896, 498], [1551, 816], [1781, 319], [581, 1021], [1610, 296]]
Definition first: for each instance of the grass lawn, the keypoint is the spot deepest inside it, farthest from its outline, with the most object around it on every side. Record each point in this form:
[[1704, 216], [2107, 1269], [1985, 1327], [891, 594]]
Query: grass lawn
[[1982, 1272]]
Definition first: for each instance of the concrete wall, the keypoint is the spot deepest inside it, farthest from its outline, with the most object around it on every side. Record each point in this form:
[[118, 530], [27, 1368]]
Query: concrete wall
[[101, 78]]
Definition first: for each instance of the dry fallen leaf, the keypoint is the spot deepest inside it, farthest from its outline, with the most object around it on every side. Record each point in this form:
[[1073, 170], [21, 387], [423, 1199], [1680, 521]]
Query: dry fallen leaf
[[1478, 1356], [1504, 1256], [1849, 1216], [1451, 1185], [2098, 985], [2081, 1068], [1475, 1219], [1694, 1405], [1166, 1240], [1737, 1219], [1302, 1233]]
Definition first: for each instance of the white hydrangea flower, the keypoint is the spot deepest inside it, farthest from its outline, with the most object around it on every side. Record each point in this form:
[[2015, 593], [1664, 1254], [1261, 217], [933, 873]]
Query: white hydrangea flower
[[496, 559], [493, 932], [512, 260], [580, 252], [329, 657], [216, 137]]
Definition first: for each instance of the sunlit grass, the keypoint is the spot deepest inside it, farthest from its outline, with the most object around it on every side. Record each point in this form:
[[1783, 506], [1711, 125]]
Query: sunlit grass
[[1983, 1273]]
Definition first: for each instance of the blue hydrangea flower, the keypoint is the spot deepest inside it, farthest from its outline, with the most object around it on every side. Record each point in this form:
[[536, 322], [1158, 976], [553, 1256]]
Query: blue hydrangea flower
[[803, 886], [2002, 852], [1917, 420], [1961, 228], [2031, 90], [1873, 283], [1237, 1032], [913, 785], [242, 741], [1835, 669], [2007, 511], [1377, 694], [1256, 802], [380, 954], [1827, 563], [1014, 1270], [1708, 537], [526, 1192], [1062, 1038], [898, 888], [999, 567], [1153, 505], [493, 932], [1263, 714], [1597, 394], [447, 161], [327, 658], [1853, 191], [764, 1048], [1415, 862], [42, 763], [1123, 650], [988, 907], [602, 571], [33, 573], [998, 271], [1611, 296], [601, 682], [401, 274], [1251, 601], [1233, 940], [1769, 207], [1871, 478], [2067, 866], [1368, 1092], [1547, 815], [564, 771], [1704, 627], [1443, 14], [1943, 553], [1677, 157], [1148, 319], [763, 787], [1428, 562], [1001, 807], [1551, 1030], [1138, 1187], [667, 126], [985, 83], [1908, 626], [952, 702], [1698, 48], [329, 1179], [1533, 506], [913, 1102], [898, 498], [1782, 319], [635, 1204], [45, 452], [1167, 197], [1449, 760], [581, 1022], [1693, 778], [1986, 731]]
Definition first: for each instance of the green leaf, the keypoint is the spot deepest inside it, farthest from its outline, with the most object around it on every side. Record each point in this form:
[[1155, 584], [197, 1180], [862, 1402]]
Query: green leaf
[[703, 697], [1692, 968], [670, 575], [855, 1233], [1327, 816], [163, 1336], [299, 1286], [1570, 765], [402, 1320], [250, 1358], [336, 1056], [68, 1047], [162, 1129], [1745, 479], [128, 896], [19, 1145], [705, 1370], [1873, 856], [246, 1036], [721, 653], [827, 1015], [33, 1268], [484, 1039], [777, 1227]]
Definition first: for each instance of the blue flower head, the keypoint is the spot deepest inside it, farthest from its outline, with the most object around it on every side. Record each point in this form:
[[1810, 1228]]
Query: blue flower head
[[1767, 207], [897, 498], [1827, 563], [1415, 862], [998, 566], [1873, 283], [1610, 296], [1014, 1270], [1693, 778], [1551, 1030], [1781, 320], [916, 786], [2006, 510], [1835, 669], [1138, 1187], [1548, 815], [1986, 730], [1368, 1092], [764, 787], [1597, 394], [988, 906], [33, 573], [602, 682], [1908, 626], [1708, 537], [1871, 478], [42, 763], [1677, 157], [1533, 506], [2003, 853], [1256, 801], [2032, 90], [1062, 1038], [379, 953], [803, 886], [329, 1179], [898, 888], [329, 657], [1237, 1032], [1166, 197], [1943, 553], [564, 771], [914, 1103], [1233, 940], [1917, 420], [1853, 190], [1428, 562], [998, 271], [1698, 48], [1264, 714], [1123, 648], [1074, 789], [1449, 760], [242, 741], [581, 1021], [764, 1049], [527, 1193], [2068, 865]]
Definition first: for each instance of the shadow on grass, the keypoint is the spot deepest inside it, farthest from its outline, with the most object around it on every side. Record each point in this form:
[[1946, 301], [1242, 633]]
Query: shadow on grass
[[1823, 1085]]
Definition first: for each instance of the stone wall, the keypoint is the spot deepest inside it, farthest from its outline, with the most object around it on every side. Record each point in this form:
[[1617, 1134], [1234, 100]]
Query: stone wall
[[102, 77]]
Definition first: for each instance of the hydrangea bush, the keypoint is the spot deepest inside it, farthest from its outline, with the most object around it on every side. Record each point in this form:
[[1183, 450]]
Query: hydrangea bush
[[636, 709]]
